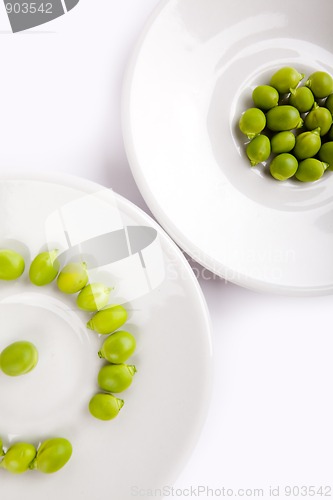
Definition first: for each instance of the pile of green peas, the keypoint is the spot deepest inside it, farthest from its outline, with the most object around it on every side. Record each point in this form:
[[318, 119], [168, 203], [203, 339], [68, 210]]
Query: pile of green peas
[[290, 126], [51, 456], [21, 357]]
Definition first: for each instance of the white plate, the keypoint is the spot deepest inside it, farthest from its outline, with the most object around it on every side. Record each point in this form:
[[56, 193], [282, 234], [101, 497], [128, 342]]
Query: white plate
[[190, 79], [149, 442]]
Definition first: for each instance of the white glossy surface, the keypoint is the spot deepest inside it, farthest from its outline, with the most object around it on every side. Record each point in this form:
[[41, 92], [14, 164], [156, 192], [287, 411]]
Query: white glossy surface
[[191, 77], [270, 419], [166, 405]]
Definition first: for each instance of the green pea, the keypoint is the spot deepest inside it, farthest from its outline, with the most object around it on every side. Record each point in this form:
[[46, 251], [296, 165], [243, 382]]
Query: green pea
[[108, 320], [44, 268], [93, 297], [11, 265], [52, 455], [105, 406], [307, 144], [286, 79], [73, 277], [116, 378], [283, 166], [319, 117], [18, 458], [326, 154], [282, 142], [329, 103], [265, 97], [321, 84], [1, 448], [310, 170], [118, 347], [252, 122], [302, 99], [258, 150], [18, 358], [283, 117]]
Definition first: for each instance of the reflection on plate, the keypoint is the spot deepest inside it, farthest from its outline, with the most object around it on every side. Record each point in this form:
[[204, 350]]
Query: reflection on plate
[[149, 442], [191, 77]]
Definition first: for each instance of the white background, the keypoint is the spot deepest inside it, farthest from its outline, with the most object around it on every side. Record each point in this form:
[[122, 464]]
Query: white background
[[271, 417]]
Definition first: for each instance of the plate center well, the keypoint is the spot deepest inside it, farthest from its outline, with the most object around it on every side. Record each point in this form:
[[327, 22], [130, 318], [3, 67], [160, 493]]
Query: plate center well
[[61, 384]]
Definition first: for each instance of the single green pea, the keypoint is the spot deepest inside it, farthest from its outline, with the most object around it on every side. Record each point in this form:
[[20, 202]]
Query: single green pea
[[302, 99], [11, 265], [18, 358], [108, 320], [252, 122], [321, 84], [283, 117], [116, 378], [283, 166], [283, 142], [93, 297], [310, 170], [73, 277], [44, 268], [52, 455], [307, 144], [18, 458], [118, 347], [329, 103], [319, 117], [326, 154], [258, 150], [265, 97], [286, 79], [105, 406]]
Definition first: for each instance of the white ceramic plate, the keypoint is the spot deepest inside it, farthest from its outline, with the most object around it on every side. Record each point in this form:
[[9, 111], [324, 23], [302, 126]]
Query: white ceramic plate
[[149, 442], [191, 77]]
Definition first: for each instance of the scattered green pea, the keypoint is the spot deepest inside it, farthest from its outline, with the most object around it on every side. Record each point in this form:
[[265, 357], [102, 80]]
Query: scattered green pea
[[73, 277], [310, 170], [252, 122], [265, 97], [93, 297], [52, 455], [105, 406], [307, 144], [11, 265], [118, 347], [321, 84], [18, 458], [329, 103], [286, 79], [258, 150], [283, 166], [283, 117], [18, 358], [44, 268], [302, 99], [108, 320], [283, 142], [116, 378], [319, 117], [326, 154]]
